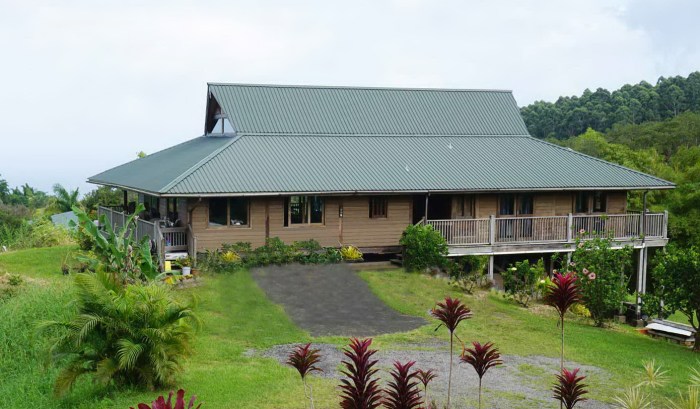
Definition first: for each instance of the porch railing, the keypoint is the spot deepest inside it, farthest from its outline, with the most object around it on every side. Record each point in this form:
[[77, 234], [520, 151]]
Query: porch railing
[[165, 239], [550, 229]]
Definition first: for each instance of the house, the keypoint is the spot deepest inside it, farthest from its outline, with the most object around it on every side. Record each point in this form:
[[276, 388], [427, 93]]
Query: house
[[351, 165]]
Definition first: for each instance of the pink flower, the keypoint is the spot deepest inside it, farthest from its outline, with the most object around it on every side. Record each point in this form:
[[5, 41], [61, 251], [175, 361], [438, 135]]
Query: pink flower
[[591, 276], [582, 231], [585, 271], [572, 264]]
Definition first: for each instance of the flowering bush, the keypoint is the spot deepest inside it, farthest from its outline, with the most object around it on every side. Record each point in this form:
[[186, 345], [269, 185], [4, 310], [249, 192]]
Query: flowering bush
[[603, 276], [522, 281]]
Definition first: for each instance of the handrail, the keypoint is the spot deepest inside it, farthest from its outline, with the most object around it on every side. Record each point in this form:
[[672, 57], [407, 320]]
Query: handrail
[[550, 229]]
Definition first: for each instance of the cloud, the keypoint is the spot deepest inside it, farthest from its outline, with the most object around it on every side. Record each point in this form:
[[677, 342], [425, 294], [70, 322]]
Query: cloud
[[85, 85]]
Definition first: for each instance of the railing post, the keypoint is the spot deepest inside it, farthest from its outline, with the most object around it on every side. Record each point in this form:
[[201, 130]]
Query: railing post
[[664, 229], [492, 229], [570, 228]]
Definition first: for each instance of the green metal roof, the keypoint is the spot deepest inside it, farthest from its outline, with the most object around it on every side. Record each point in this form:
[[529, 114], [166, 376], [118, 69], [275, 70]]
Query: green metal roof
[[347, 140], [274, 109]]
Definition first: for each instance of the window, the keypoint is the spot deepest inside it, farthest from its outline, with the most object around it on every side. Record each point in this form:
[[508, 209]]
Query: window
[[228, 212], [526, 204], [465, 206], [378, 207], [507, 205], [581, 202], [304, 210], [600, 202]]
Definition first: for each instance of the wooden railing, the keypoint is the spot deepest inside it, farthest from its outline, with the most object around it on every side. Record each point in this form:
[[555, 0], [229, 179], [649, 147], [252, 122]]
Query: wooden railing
[[550, 229], [165, 239]]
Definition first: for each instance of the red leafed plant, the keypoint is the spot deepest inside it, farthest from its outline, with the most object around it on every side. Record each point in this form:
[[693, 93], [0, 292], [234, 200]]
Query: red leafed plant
[[481, 358], [161, 403], [360, 387], [402, 391], [569, 389], [304, 359], [450, 312], [425, 377], [563, 293]]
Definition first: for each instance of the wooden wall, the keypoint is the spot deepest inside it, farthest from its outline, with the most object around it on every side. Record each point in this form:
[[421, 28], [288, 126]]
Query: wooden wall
[[356, 227]]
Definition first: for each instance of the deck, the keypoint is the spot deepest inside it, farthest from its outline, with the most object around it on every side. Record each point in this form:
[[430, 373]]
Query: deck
[[510, 235], [166, 240]]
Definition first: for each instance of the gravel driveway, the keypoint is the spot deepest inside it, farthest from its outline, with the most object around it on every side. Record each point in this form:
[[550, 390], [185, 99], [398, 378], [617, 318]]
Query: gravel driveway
[[330, 300]]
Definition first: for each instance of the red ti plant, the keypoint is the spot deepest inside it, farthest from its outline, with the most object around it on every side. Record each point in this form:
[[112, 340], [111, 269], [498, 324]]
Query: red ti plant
[[569, 389], [450, 312], [161, 403], [304, 359], [562, 294], [360, 388], [481, 358], [425, 377], [402, 391]]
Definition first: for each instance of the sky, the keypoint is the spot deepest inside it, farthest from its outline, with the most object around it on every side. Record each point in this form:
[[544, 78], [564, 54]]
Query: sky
[[85, 85]]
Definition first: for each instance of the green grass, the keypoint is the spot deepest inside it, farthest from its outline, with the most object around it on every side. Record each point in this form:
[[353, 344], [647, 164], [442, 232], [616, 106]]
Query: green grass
[[238, 317], [37, 263]]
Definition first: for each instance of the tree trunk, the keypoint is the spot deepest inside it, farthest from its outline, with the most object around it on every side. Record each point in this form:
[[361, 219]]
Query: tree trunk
[[449, 377]]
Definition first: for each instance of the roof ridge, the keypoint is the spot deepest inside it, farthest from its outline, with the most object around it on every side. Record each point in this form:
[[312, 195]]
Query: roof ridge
[[358, 87], [290, 134], [198, 165], [617, 165]]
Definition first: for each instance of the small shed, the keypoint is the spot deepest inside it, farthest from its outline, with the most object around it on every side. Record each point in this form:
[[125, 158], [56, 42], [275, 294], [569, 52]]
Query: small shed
[[64, 219]]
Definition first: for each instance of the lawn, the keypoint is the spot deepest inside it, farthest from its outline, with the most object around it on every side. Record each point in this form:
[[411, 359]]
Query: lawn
[[237, 317]]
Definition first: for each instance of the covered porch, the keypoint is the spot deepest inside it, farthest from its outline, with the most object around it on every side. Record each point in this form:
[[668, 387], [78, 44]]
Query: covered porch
[[169, 241]]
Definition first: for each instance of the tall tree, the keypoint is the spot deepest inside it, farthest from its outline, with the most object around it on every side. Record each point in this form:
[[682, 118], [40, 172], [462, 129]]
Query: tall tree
[[65, 200]]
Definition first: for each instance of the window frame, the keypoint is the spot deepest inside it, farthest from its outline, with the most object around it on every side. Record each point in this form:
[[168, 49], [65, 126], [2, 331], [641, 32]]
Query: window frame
[[228, 214], [586, 202], [603, 201], [465, 202], [307, 199], [383, 207]]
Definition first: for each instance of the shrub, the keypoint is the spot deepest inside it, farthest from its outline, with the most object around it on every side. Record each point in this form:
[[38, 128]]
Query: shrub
[[304, 359], [569, 389], [350, 253], [450, 313], [424, 247], [360, 387], [136, 334], [469, 273], [425, 377], [562, 294], [38, 232], [161, 403], [402, 391], [604, 275], [481, 358], [521, 281]]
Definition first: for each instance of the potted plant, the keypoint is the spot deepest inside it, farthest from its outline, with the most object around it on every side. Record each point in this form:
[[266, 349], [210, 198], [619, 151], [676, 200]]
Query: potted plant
[[186, 264]]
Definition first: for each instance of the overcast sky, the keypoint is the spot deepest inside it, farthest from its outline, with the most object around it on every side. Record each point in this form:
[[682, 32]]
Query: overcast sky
[[85, 84]]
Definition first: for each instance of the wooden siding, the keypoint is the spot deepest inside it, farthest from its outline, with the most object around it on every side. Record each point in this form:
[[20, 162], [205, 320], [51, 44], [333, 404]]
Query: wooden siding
[[362, 231], [356, 227]]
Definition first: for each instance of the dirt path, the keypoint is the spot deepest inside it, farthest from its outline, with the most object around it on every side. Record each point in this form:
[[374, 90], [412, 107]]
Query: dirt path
[[330, 300]]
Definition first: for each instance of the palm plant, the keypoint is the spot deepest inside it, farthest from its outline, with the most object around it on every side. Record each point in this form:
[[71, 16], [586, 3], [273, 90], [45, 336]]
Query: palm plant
[[304, 359], [633, 398], [562, 294], [425, 377], [569, 389], [65, 200], [402, 391], [690, 401], [136, 334], [161, 403], [450, 313], [360, 387], [653, 375], [481, 358]]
